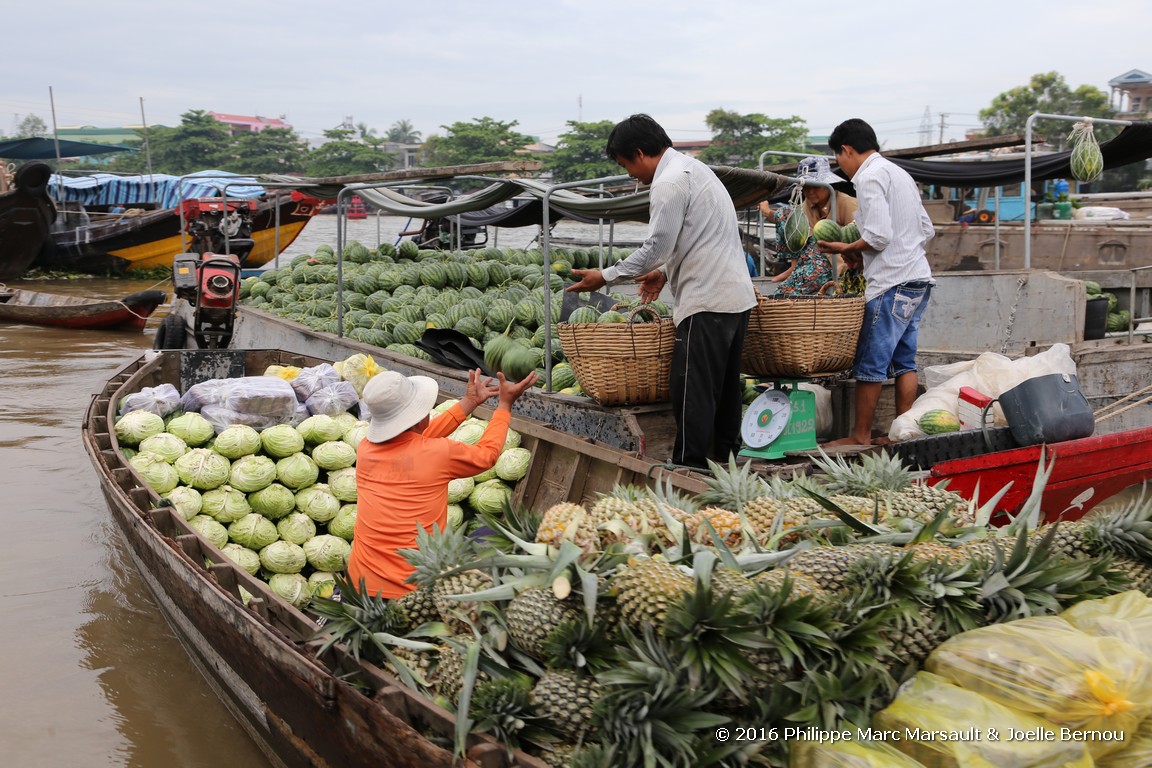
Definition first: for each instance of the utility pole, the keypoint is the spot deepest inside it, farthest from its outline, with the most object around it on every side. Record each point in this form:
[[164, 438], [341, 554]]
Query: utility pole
[[942, 125], [926, 127]]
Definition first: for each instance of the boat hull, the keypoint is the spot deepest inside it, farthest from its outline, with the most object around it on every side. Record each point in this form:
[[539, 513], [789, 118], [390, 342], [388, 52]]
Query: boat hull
[[153, 238], [1060, 246], [36, 308], [26, 214]]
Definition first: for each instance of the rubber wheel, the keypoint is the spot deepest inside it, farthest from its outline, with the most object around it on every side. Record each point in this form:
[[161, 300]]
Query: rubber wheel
[[171, 334]]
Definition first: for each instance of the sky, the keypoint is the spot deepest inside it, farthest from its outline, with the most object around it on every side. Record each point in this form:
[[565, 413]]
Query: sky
[[917, 71]]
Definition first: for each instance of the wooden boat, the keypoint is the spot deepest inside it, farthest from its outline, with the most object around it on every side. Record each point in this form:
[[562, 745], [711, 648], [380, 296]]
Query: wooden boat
[[26, 214], [303, 710], [152, 238], [64, 311]]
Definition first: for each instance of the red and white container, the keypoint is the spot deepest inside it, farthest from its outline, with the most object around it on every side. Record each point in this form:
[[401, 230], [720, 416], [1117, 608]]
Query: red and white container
[[973, 410]]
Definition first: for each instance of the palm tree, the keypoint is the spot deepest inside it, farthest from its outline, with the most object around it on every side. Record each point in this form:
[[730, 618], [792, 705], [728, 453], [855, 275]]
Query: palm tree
[[403, 132]]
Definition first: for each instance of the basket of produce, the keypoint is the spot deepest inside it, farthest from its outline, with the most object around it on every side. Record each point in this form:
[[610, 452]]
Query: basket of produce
[[802, 335], [620, 359]]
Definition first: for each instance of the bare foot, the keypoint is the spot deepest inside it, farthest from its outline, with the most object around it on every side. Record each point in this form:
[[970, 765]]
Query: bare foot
[[842, 442], [881, 441]]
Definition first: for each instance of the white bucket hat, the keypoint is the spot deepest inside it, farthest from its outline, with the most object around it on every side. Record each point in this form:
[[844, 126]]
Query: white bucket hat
[[817, 169], [396, 402]]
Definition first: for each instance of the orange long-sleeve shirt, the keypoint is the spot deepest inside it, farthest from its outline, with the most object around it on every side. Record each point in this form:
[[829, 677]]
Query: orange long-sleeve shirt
[[403, 483]]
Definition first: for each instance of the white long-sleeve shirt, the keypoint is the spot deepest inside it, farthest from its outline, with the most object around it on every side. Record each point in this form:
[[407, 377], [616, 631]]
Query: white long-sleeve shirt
[[893, 221], [693, 236]]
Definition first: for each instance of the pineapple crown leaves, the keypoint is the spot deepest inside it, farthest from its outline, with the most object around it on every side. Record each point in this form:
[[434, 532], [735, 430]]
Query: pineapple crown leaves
[[1029, 516], [796, 626], [511, 528], [853, 523], [731, 487], [436, 551], [831, 697], [464, 722], [502, 707], [353, 618], [577, 645]]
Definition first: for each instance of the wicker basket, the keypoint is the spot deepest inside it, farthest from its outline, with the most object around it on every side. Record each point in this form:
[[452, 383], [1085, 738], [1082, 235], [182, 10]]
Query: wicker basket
[[621, 363], [802, 335]]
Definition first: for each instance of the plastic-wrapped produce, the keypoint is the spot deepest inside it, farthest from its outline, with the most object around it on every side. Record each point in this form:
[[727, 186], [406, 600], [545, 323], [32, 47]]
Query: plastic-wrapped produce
[[309, 380], [267, 396], [160, 400], [333, 399]]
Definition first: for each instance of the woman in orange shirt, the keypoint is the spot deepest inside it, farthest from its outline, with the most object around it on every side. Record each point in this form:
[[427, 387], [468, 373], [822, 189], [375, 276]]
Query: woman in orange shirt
[[405, 462]]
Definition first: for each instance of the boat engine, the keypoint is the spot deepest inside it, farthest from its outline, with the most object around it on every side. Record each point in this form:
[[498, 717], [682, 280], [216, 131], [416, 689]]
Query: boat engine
[[210, 284], [218, 225]]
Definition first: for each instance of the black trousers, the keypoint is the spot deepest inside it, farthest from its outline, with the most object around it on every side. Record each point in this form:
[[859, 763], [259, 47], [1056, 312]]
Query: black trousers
[[707, 395]]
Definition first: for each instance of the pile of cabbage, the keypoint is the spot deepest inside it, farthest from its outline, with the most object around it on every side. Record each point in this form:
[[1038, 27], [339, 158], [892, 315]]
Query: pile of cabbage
[[281, 501]]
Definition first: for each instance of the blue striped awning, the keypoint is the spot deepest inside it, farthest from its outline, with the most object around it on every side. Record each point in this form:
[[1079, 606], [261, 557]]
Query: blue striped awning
[[159, 188]]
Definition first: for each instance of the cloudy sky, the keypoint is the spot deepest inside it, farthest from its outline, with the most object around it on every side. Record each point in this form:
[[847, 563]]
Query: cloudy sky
[[901, 65]]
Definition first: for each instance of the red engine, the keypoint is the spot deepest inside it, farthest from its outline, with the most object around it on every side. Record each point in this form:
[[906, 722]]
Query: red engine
[[219, 225], [210, 283]]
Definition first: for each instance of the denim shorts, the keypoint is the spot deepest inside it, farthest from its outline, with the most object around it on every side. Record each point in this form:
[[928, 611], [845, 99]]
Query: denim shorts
[[887, 346]]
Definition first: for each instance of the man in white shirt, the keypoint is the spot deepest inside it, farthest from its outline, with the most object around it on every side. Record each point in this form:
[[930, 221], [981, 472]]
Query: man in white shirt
[[694, 247], [893, 230]]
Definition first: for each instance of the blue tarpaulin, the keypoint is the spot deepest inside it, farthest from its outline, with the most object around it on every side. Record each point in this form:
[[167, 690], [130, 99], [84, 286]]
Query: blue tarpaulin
[[163, 190]]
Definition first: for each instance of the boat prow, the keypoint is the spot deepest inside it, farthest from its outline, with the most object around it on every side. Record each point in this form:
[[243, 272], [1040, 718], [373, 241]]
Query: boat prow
[[78, 312]]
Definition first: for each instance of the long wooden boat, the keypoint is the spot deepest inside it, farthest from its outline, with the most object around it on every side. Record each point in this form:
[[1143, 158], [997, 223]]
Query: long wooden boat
[[26, 214], [79, 312], [260, 659], [153, 237]]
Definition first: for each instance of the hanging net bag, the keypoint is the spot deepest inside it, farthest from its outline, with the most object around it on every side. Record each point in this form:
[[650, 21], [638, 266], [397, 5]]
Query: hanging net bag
[[1087, 161]]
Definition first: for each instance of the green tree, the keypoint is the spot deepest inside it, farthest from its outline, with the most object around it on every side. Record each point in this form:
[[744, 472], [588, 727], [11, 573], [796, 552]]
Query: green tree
[[199, 143], [483, 140], [1047, 93], [31, 127], [403, 132], [739, 140], [580, 153], [274, 150], [341, 155]]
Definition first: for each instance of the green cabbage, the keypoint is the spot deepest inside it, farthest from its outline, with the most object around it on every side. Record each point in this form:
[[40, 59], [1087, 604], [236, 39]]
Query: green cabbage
[[210, 529], [485, 476], [297, 471], [322, 584], [490, 496], [253, 531], [134, 426], [192, 428], [334, 454], [203, 469], [281, 440], [344, 524], [513, 464], [317, 502], [346, 421], [469, 431], [242, 556], [455, 516], [296, 528], [156, 471], [319, 429], [251, 473], [292, 587], [512, 441], [273, 502], [165, 445], [283, 557], [327, 552], [459, 489], [342, 483], [354, 434], [225, 504], [445, 405], [236, 441], [186, 500]]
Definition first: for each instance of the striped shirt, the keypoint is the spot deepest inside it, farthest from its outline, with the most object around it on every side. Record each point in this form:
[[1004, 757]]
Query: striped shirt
[[892, 220], [693, 237]]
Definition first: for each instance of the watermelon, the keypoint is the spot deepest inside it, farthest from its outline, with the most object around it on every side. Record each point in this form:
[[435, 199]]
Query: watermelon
[[1092, 288], [585, 314], [612, 316], [408, 250], [827, 230], [850, 233], [1118, 321], [470, 326], [563, 376], [1086, 161], [938, 421], [796, 230]]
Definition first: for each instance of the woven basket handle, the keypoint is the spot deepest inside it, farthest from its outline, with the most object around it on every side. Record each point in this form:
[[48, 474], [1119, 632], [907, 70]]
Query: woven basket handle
[[829, 288], [644, 308]]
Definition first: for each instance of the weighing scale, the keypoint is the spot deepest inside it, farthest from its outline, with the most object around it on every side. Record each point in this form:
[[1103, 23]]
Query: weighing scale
[[780, 420]]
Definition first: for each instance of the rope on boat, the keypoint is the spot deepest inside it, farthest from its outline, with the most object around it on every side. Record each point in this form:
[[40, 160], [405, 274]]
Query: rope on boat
[[1097, 413]]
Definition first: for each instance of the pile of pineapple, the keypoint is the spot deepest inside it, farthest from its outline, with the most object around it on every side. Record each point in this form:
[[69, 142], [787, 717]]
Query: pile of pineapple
[[629, 629]]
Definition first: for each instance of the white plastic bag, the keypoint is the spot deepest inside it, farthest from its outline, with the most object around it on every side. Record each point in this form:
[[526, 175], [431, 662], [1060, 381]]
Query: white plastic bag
[[259, 396], [990, 373], [161, 400], [333, 399], [309, 380]]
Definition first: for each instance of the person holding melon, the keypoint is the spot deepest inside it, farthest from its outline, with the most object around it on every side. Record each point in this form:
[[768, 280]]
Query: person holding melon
[[811, 268], [893, 228], [693, 247]]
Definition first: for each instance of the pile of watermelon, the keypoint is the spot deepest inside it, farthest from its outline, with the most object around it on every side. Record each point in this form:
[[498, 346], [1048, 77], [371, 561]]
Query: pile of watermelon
[[390, 296]]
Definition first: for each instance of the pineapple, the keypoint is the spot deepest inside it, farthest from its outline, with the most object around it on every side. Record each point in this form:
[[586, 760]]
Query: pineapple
[[728, 581], [1137, 573], [926, 501], [726, 524], [733, 487], [645, 588], [800, 584], [533, 615], [1123, 532], [565, 699], [888, 483], [830, 566], [449, 675], [419, 607], [437, 555], [568, 522], [419, 663]]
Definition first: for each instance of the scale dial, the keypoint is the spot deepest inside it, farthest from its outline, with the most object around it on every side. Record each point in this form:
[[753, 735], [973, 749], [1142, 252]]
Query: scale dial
[[766, 418]]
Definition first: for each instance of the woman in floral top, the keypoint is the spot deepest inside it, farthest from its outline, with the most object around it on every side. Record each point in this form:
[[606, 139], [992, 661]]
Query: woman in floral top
[[810, 268]]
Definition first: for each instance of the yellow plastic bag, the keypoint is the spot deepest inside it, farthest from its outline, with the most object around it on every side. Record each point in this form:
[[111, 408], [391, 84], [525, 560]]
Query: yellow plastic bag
[[1095, 689], [1127, 616], [1137, 752], [357, 369], [848, 754], [944, 726], [286, 372]]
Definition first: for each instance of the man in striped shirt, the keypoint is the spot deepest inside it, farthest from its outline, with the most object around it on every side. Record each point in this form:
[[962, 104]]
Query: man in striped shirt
[[893, 230], [694, 247]]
